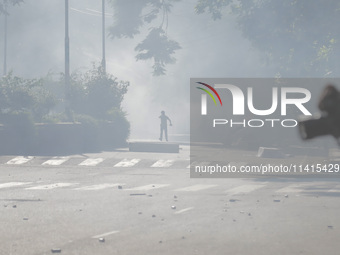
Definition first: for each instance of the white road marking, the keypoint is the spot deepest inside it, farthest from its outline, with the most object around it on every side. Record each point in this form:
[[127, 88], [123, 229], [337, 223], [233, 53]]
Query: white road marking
[[100, 186], [292, 188], [245, 188], [237, 164], [150, 187], [196, 187], [195, 163], [51, 186], [127, 162], [13, 184], [19, 160], [56, 161], [336, 189], [184, 210], [91, 162], [163, 163], [106, 234]]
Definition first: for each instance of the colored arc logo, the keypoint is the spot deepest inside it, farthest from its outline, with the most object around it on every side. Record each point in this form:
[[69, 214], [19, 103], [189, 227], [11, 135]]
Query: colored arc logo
[[209, 93]]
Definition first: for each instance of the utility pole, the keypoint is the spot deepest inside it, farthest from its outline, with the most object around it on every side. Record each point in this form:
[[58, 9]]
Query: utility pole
[[67, 63], [5, 39], [103, 36]]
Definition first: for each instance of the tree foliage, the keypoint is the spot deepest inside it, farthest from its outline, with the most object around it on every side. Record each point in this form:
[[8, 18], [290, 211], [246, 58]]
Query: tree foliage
[[159, 47], [132, 15], [25, 95], [8, 2], [302, 36], [96, 93]]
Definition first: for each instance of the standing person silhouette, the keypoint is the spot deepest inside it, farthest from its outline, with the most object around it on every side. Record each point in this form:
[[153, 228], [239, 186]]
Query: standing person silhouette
[[164, 125]]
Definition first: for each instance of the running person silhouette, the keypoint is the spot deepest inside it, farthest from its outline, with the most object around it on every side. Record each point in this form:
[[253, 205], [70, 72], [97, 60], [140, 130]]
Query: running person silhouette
[[164, 125]]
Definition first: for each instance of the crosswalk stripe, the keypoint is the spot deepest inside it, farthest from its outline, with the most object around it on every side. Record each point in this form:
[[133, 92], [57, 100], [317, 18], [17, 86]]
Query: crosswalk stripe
[[56, 161], [163, 163], [19, 160], [100, 186], [91, 162], [52, 186], [237, 164], [13, 184], [196, 187], [127, 162], [195, 163], [245, 188], [149, 187]]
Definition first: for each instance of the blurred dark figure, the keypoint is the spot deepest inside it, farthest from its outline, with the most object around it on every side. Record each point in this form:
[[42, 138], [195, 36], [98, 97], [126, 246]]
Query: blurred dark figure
[[164, 126], [329, 122]]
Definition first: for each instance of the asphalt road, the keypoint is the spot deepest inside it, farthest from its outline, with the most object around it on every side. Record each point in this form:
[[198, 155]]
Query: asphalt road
[[110, 207]]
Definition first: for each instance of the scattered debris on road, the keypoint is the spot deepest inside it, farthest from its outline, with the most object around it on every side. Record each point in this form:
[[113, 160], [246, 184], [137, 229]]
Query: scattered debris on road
[[233, 200]]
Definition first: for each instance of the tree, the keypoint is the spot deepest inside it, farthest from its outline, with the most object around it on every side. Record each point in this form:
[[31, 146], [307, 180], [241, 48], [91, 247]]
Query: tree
[[96, 93], [302, 36], [10, 2], [130, 18], [18, 95]]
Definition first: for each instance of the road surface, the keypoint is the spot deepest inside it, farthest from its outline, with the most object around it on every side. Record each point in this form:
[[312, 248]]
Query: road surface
[[139, 203]]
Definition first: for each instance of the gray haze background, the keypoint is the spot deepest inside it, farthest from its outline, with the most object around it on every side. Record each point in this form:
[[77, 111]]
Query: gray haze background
[[209, 49]]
